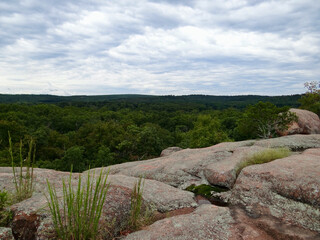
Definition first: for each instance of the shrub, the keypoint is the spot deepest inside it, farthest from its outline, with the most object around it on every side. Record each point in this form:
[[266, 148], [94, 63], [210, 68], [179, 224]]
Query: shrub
[[264, 156], [77, 216], [23, 182], [5, 215], [263, 120], [3, 199]]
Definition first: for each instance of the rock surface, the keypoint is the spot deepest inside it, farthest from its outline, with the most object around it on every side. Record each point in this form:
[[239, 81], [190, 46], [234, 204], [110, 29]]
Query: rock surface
[[206, 223], [168, 151], [213, 165], [308, 123], [276, 200], [6, 233], [32, 219], [287, 189]]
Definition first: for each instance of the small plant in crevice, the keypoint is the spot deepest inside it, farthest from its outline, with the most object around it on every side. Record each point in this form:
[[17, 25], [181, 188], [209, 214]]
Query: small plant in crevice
[[140, 215], [209, 192], [5, 214], [205, 190], [264, 156], [77, 214], [23, 182]]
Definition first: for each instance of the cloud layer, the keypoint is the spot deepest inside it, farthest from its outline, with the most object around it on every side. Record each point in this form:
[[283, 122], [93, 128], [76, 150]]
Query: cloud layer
[[222, 47]]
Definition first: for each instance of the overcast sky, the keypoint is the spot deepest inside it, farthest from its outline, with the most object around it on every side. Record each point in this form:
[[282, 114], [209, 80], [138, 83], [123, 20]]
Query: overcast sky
[[215, 47]]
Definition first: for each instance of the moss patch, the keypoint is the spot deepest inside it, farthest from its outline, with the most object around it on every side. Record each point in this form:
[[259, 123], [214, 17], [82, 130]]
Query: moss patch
[[205, 190]]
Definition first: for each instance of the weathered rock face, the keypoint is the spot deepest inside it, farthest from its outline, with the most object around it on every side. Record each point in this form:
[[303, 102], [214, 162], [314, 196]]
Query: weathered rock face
[[213, 165], [206, 223], [308, 123], [224, 173], [276, 200], [287, 189], [32, 218], [211, 222], [169, 150]]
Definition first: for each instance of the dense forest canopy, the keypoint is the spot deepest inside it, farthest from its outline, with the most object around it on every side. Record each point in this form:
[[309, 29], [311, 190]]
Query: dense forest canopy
[[98, 131]]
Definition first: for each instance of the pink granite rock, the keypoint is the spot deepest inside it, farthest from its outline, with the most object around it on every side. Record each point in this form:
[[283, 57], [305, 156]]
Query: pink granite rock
[[308, 123], [287, 189], [224, 172], [6, 233], [168, 151]]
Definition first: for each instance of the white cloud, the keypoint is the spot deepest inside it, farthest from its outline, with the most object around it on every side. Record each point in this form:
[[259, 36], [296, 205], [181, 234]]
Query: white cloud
[[159, 47]]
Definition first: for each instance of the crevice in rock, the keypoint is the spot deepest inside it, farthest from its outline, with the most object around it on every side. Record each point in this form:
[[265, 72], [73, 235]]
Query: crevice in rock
[[210, 193], [303, 201]]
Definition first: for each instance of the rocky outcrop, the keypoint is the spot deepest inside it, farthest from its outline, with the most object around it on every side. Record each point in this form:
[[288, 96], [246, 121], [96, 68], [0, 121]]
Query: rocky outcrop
[[308, 123], [213, 165], [287, 189], [32, 219], [168, 151], [211, 222], [206, 223], [275, 200]]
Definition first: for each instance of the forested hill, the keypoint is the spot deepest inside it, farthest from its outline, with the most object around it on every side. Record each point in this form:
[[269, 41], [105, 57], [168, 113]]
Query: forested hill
[[135, 100], [95, 131]]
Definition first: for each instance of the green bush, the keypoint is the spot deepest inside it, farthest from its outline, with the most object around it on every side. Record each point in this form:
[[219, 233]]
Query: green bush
[[3, 199], [264, 156], [5, 215], [77, 216]]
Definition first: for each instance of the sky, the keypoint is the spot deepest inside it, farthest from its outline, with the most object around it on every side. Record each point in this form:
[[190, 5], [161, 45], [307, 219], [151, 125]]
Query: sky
[[165, 47]]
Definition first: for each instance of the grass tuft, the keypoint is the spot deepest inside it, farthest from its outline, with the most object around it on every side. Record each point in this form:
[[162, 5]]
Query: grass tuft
[[77, 215], [264, 156], [23, 182], [140, 215]]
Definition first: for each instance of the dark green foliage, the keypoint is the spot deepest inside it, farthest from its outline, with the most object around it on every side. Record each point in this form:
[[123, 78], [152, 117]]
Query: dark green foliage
[[207, 131], [5, 214], [205, 190], [263, 120], [105, 130], [311, 100], [3, 199], [134, 101]]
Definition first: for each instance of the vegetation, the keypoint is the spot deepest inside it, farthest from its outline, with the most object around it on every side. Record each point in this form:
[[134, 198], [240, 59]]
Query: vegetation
[[140, 215], [264, 156], [5, 214], [97, 131], [77, 216], [311, 100], [205, 190], [23, 181], [263, 120]]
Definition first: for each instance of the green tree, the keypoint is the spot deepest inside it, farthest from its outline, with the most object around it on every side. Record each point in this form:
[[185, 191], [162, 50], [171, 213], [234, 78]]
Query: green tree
[[104, 158], [263, 120], [311, 100], [207, 131], [73, 157]]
